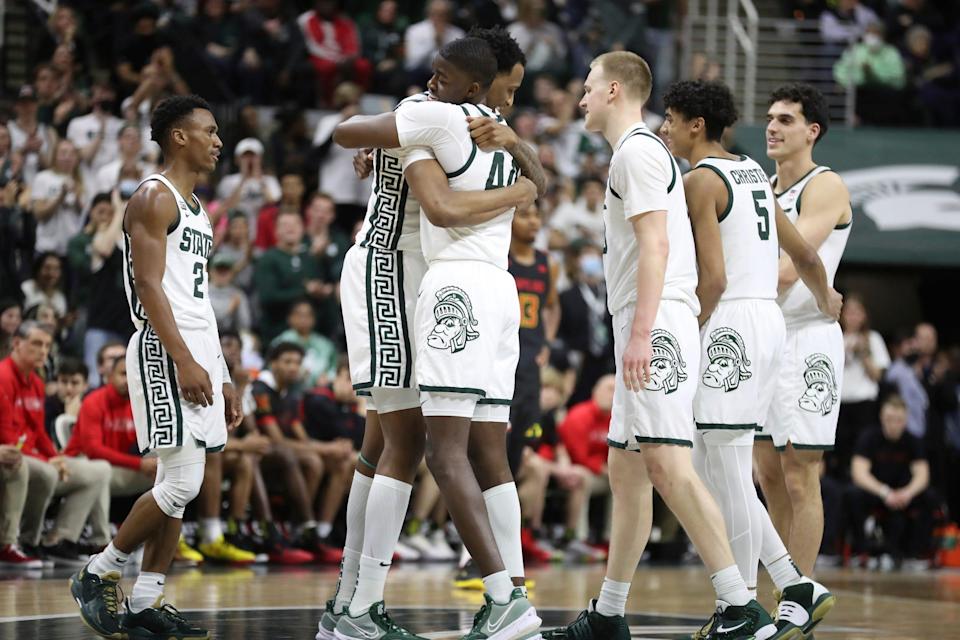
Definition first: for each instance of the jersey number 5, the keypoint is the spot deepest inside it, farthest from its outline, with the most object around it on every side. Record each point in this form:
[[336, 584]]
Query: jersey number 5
[[763, 224], [198, 281]]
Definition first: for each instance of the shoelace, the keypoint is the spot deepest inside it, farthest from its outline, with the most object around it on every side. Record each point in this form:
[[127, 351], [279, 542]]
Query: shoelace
[[708, 627], [172, 612], [109, 592], [479, 616], [792, 612], [393, 626]]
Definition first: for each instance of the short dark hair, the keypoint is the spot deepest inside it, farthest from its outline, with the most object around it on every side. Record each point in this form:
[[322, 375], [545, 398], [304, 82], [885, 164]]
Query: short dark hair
[[41, 258], [711, 101], [813, 105], [894, 400], [278, 350], [505, 49], [101, 197], [103, 350], [473, 56], [230, 333], [296, 303], [72, 367], [170, 112]]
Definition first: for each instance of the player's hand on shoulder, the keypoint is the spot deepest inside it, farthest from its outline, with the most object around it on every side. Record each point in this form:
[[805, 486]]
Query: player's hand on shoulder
[[195, 385], [529, 194], [363, 163], [832, 305], [489, 135]]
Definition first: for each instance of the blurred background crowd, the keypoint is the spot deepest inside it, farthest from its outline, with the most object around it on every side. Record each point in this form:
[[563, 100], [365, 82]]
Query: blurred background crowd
[[285, 205]]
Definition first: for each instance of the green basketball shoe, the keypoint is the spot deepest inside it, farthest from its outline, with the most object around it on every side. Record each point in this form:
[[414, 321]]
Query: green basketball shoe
[[749, 622], [328, 621], [802, 606], [515, 619], [375, 624], [99, 599], [160, 622], [591, 625]]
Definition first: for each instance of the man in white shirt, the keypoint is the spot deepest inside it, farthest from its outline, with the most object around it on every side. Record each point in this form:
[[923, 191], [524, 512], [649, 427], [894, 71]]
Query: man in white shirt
[[126, 171], [249, 189], [582, 219], [96, 133], [424, 39]]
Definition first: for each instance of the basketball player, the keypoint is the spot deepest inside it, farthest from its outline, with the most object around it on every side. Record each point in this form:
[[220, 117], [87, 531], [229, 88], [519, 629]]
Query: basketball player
[[466, 339], [742, 330], [182, 396], [651, 275], [802, 422]]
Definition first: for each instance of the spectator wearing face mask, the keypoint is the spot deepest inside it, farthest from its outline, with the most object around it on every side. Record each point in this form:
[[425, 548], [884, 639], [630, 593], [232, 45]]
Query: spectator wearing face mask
[[876, 70], [904, 376], [251, 187]]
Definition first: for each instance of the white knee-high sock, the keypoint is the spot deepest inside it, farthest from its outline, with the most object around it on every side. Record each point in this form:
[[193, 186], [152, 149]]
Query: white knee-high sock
[[730, 478], [353, 546], [774, 555], [503, 510], [386, 506]]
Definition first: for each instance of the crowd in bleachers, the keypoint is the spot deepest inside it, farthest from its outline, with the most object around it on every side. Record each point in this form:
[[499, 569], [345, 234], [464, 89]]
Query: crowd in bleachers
[[285, 206]]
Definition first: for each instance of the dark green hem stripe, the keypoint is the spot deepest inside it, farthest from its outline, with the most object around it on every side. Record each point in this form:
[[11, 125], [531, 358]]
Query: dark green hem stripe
[[497, 401], [215, 449], [674, 441], [813, 447], [471, 390], [404, 329], [717, 171], [616, 445], [761, 436], [711, 425], [362, 385], [844, 225], [363, 393]]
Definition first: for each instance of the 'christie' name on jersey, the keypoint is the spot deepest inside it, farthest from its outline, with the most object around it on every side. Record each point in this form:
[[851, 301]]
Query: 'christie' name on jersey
[[196, 242], [748, 176]]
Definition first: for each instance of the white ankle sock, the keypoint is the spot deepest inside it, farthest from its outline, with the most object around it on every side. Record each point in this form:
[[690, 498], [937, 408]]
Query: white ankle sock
[[503, 511], [353, 545], [211, 529], [499, 586], [613, 598], [371, 579], [147, 589], [784, 572], [730, 587], [110, 559]]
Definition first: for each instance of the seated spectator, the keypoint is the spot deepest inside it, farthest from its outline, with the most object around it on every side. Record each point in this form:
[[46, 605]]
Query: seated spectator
[[59, 195], [423, 536], [11, 162], [11, 315], [63, 29], [934, 75], [238, 247], [876, 70], [581, 219], [46, 285], [864, 363], [71, 386], [542, 41], [14, 479], [336, 163], [278, 411], [328, 244], [230, 304], [845, 23], [126, 171], [891, 479], [584, 474], [907, 14], [272, 59], [284, 274], [32, 139], [81, 482], [424, 39], [219, 31], [291, 145], [137, 50], [96, 257], [250, 188], [333, 413], [95, 134], [106, 355], [291, 201], [239, 461], [382, 42], [333, 45], [320, 354]]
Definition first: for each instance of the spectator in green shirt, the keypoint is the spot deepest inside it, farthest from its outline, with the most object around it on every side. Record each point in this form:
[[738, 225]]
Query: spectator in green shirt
[[871, 62], [285, 274], [319, 365]]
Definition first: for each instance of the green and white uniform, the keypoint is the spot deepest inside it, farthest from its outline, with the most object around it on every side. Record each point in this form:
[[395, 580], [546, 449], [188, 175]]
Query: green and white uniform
[[806, 402], [742, 340], [644, 177], [468, 316], [378, 287], [162, 418]]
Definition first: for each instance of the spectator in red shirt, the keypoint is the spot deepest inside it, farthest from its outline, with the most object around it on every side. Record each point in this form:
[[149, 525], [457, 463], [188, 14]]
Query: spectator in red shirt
[[291, 199], [82, 482], [334, 47], [105, 431], [584, 437]]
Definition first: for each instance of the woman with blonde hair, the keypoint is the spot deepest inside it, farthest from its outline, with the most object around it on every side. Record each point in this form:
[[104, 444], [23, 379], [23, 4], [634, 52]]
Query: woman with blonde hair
[[58, 199]]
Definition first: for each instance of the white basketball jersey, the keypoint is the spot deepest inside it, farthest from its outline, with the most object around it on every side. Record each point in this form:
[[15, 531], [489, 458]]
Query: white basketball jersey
[[748, 229], [392, 221], [440, 130], [798, 304], [189, 245], [645, 177]]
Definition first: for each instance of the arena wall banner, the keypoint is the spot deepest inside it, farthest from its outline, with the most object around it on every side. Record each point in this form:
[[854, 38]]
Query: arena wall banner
[[905, 189]]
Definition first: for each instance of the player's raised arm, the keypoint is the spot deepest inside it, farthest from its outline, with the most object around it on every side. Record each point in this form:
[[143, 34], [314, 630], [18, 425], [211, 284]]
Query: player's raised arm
[[445, 207], [803, 261], [359, 132], [706, 195], [149, 215]]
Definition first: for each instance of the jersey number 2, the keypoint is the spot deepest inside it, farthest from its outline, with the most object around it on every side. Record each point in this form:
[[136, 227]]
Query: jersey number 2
[[198, 281], [763, 224]]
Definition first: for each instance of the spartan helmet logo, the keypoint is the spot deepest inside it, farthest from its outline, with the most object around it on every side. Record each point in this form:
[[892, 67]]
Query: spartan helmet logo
[[728, 360], [821, 393], [455, 322], [666, 364]]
